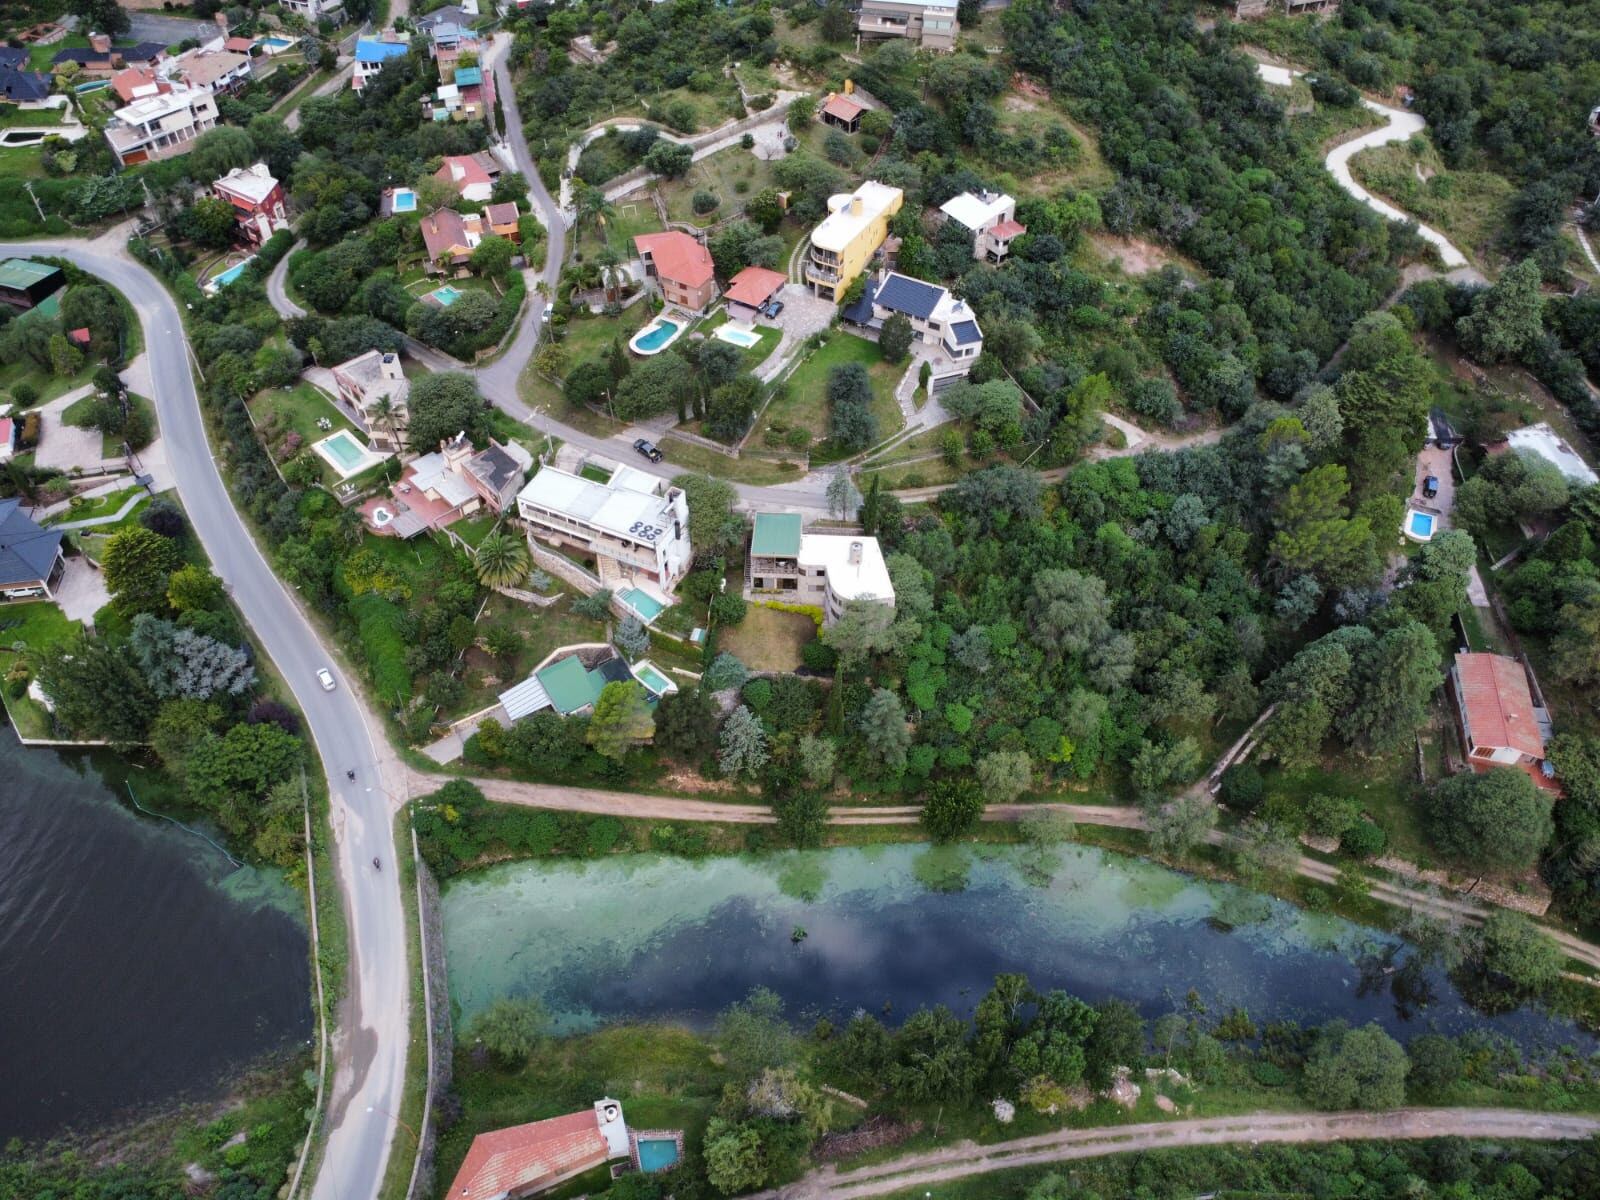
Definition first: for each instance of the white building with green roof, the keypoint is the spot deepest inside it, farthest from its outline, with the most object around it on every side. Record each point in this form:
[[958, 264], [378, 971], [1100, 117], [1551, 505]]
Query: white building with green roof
[[827, 570]]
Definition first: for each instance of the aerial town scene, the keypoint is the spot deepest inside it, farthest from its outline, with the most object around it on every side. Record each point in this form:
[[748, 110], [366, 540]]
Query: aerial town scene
[[801, 599]]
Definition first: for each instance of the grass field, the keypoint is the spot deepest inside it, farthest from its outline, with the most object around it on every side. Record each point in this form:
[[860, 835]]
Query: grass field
[[768, 640], [41, 380], [721, 174], [36, 626], [1468, 207], [297, 410], [806, 405], [79, 414]]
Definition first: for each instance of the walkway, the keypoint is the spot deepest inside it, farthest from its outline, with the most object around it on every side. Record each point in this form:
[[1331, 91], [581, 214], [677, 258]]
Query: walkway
[[109, 518], [928, 1168], [1402, 126]]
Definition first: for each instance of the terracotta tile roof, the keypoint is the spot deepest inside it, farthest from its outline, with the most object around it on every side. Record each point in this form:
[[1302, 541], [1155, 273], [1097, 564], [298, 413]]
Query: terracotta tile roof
[[1008, 229], [677, 257], [126, 83], [842, 108], [1498, 704], [755, 285], [444, 232], [239, 45], [461, 171], [502, 214], [526, 1158]]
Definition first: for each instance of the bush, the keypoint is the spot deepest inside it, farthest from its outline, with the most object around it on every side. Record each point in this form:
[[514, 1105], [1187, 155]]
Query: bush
[[704, 202], [1241, 788], [953, 807], [1364, 839]]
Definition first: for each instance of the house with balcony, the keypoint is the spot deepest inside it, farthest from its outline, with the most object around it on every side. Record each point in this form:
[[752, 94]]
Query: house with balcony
[[842, 246], [822, 570], [444, 485], [372, 53], [450, 238], [928, 24], [635, 525], [1501, 725], [373, 392], [31, 562], [467, 97], [945, 330], [504, 220], [259, 208], [472, 175], [991, 218], [681, 265], [220, 71], [161, 126], [314, 10]]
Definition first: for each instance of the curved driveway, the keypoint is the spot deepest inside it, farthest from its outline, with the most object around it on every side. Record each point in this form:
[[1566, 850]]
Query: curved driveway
[[370, 1042]]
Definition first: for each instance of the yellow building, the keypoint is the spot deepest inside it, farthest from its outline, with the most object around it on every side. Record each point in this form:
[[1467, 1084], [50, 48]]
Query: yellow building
[[843, 245]]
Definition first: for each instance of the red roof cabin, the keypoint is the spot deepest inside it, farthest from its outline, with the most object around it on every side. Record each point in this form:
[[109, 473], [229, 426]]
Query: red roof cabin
[[1500, 724], [525, 1160], [750, 290], [682, 266], [842, 112]]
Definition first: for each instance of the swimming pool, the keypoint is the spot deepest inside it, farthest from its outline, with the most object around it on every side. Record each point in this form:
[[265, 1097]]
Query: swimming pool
[[222, 280], [277, 43], [1419, 526], [749, 339], [446, 296], [657, 1154], [405, 200], [654, 680], [643, 603], [655, 337], [343, 451]]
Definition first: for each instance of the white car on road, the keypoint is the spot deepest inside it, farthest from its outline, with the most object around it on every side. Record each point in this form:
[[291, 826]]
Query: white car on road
[[325, 678]]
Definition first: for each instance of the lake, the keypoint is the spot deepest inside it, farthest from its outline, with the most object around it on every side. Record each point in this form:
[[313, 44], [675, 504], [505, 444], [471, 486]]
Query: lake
[[891, 928], [139, 965]]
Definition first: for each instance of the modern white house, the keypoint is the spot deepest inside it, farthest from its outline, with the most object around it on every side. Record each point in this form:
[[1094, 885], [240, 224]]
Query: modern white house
[[314, 10], [930, 24], [828, 570], [635, 525], [945, 330], [372, 390], [160, 126], [992, 219]]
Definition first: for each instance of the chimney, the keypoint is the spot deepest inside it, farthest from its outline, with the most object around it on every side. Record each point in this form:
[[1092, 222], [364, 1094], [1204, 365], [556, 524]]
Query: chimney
[[855, 554], [856, 205], [849, 88], [100, 43]]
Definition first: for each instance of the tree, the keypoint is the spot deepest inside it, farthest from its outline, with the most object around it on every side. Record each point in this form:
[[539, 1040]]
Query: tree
[[1392, 683], [753, 1036], [725, 671], [210, 221], [686, 724], [1506, 319], [653, 388], [885, 735], [1436, 1062], [1181, 825], [1067, 611], [1158, 764], [192, 588], [765, 208], [1356, 1068], [621, 720], [510, 1030], [842, 496], [492, 257], [1317, 535], [219, 150], [851, 424], [713, 527], [1005, 775], [1575, 649], [443, 405], [894, 339], [631, 637], [863, 629], [817, 757], [1516, 954], [100, 16], [182, 664], [1496, 821], [837, 23], [502, 560], [734, 1159], [932, 1061], [228, 775], [179, 726], [744, 743], [97, 691], [669, 159], [137, 565], [953, 807], [1117, 1040]]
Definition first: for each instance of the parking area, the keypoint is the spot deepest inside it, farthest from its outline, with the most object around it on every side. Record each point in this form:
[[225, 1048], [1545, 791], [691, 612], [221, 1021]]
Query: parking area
[[1435, 462], [803, 314]]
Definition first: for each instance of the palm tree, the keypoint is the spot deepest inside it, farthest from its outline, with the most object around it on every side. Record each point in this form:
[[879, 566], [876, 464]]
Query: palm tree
[[384, 411], [592, 205], [610, 264], [502, 560]]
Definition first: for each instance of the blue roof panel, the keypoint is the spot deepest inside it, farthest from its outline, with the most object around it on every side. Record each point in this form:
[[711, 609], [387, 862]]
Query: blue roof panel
[[467, 76], [371, 50], [860, 313], [902, 294], [966, 332]]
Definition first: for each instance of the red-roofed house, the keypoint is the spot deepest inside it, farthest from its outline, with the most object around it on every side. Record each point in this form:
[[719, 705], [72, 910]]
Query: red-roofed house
[[239, 45], [259, 210], [750, 289], [843, 112], [136, 83], [1500, 724], [79, 337], [504, 220], [681, 265], [467, 175], [450, 237], [991, 217], [527, 1159]]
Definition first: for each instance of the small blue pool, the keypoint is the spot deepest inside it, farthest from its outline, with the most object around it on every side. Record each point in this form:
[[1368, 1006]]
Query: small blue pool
[[447, 295], [643, 603], [94, 85], [655, 336], [405, 200], [1419, 526], [277, 43], [657, 1154], [228, 276]]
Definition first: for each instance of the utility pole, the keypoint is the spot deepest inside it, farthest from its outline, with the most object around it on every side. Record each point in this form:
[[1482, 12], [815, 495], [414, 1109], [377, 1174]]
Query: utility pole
[[28, 183]]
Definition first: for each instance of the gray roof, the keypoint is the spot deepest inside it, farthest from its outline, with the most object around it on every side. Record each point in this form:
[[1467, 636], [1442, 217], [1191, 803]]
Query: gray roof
[[23, 85], [11, 56], [966, 332], [27, 552], [495, 467], [902, 294]]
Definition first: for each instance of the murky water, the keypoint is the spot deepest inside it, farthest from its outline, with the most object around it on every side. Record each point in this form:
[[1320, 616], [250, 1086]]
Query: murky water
[[890, 928], [137, 964]]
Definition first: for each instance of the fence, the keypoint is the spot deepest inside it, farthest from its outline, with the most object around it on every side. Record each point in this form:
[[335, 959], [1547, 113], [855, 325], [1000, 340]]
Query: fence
[[440, 1034]]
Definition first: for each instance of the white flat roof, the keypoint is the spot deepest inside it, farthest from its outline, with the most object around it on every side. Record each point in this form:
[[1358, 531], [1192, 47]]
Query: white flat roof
[[867, 579], [1549, 445], [975, 212], [616, 507], [841, 226], [253, 183], [152, 108]]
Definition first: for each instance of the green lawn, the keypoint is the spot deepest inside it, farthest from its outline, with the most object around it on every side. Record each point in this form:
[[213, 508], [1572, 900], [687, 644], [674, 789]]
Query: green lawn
[[36, 626], [283, 411], [39, 378], [587, 337], [768, 640], [12, 117], [79, 414], [473, 530], [1382, 786], [1468, 207], [100, 506], [806, 405], [543, 630], [721, 174], [770, 337], [40, 57]]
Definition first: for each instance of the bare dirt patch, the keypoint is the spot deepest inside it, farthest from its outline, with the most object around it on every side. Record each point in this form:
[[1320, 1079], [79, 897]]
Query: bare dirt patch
[[1137, 256]]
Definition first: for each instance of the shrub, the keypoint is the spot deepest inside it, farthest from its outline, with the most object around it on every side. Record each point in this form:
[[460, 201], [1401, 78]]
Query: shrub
[[1240, 788], [1364, 839], [704, 202]]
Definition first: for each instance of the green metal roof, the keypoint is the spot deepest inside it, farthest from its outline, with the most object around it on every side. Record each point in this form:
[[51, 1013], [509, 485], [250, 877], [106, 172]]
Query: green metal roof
[[24, 272], [570, 685], [776, 535]]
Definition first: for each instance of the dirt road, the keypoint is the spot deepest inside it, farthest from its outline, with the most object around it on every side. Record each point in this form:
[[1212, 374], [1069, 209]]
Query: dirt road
[[966, 1158]]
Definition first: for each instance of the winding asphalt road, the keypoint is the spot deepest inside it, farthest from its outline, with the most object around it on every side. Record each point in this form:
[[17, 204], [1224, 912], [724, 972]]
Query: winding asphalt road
[[373, 1031]]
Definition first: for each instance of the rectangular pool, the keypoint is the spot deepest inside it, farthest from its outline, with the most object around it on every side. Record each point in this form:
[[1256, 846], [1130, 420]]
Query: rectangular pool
[[277, 43], [643, 603], [657, 1154], [446, 296], [749, 339], [651, 678], [405, 200], [344, 449]]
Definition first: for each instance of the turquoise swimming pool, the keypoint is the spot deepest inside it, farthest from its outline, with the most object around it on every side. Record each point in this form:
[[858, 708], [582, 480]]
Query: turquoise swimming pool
[[657, 1154], [405, 200], [344, 449], [228, 276], [447, 295], [643, 603], [277, 43], [746, 338], [651, 678], [655, 337]]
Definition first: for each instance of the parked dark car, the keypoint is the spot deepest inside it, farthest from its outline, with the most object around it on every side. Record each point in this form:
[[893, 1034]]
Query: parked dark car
[[1430, 486], [648, 449], [773, 308]]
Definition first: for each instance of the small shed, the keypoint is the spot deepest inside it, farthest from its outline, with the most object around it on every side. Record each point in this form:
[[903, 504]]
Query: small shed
[[843, 112]]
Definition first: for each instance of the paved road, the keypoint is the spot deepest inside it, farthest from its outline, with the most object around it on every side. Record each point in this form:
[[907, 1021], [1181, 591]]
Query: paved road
[[370, 1045], [967, 1158]]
